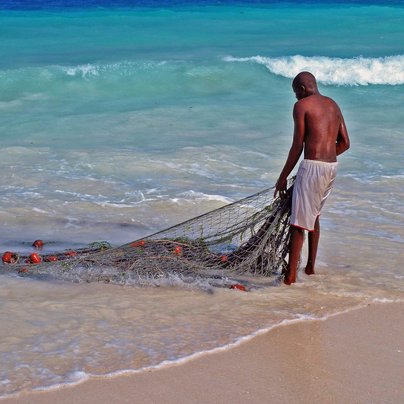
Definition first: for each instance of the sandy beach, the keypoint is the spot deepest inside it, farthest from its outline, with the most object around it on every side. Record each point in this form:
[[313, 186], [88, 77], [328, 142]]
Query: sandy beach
[[355, 357]]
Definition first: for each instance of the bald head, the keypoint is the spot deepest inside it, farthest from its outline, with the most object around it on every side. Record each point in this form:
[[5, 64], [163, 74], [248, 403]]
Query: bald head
[[305, 79], [305, 83]]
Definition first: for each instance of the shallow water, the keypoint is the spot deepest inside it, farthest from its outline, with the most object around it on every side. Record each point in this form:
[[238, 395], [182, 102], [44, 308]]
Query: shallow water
[[119, 122]]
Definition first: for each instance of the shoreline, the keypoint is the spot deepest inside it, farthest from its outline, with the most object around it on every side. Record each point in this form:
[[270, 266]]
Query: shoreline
[[354, 356]]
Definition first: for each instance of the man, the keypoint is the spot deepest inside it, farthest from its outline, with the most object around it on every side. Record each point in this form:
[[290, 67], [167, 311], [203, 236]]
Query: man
[[319, 131]]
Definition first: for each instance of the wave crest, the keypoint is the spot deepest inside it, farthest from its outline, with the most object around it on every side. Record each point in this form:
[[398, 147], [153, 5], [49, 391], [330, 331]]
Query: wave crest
[[124, 68], [387, 70]]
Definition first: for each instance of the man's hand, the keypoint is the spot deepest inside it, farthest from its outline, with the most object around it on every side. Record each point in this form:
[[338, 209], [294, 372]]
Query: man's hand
[[280, 187]]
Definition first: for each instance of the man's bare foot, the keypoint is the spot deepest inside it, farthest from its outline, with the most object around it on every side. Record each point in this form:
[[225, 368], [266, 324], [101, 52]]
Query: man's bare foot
[[289, 279], [309, 270]]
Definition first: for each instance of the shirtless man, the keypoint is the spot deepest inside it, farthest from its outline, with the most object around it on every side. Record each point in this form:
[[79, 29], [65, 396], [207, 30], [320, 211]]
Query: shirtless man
[[319, 130]]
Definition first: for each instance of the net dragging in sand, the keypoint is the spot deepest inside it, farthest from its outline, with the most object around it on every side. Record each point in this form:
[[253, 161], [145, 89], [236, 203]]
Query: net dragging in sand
[[250, 236]]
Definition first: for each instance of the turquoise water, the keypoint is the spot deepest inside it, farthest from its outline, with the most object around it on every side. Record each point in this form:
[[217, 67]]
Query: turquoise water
[[118, 122]]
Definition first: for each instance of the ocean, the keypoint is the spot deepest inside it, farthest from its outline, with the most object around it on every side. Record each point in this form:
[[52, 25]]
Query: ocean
[[122, 118]]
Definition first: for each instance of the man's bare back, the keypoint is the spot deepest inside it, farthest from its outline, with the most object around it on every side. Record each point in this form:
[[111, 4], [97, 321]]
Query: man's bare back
[[319, 132], [323, 122]]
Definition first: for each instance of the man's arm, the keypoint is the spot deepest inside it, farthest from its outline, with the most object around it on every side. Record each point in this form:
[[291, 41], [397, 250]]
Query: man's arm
[[295, 150], [343, 141]]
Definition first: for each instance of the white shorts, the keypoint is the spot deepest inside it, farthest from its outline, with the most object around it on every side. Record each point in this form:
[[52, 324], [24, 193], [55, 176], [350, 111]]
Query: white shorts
[[313, 184]]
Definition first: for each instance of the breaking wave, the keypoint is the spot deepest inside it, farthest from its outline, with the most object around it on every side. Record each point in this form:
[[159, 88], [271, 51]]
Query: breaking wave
[[356, 71]]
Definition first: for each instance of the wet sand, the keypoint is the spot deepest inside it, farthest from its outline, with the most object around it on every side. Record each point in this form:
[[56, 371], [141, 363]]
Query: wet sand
[[355, 357]]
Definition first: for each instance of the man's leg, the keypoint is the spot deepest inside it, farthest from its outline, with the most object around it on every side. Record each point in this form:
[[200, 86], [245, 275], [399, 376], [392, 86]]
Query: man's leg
[[314, 237], [296, 243]]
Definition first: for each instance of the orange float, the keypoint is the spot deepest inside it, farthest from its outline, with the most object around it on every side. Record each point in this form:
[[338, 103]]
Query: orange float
[[38, 244], [224, 258], [238, 286], [71, 253], [178, 250], [34, 258], [139, 243], [51, 258], [9, 257]]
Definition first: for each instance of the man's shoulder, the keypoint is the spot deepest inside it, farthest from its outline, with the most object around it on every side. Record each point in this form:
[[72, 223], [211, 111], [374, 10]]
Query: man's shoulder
[[328, 99], [305, 104], [314, 101]]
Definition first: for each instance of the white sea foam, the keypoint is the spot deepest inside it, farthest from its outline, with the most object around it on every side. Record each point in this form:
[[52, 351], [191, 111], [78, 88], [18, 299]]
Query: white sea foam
[[79, 377], [73, 379], [124, 68], [82, 70], [194, 195], [386, 300], [387, 70], [40, 210]]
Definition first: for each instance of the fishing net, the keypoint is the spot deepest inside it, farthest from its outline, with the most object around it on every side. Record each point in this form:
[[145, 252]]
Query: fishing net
[[250, 236]]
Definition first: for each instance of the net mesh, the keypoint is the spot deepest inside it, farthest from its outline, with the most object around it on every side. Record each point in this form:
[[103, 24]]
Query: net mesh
[[250, 236]]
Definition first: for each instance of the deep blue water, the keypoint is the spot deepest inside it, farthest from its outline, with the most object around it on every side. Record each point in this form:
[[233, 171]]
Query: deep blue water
[[55, 4]]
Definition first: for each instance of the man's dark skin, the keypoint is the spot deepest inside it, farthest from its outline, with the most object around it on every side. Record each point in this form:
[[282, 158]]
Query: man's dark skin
[[319, 131]]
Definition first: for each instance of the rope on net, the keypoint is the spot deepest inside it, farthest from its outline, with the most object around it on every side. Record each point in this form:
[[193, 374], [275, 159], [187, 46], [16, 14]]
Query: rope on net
[[247, 237]]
